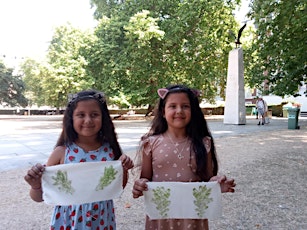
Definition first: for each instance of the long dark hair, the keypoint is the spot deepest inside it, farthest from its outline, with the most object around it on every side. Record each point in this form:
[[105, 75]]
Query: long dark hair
[[196, 130], [107, 131]]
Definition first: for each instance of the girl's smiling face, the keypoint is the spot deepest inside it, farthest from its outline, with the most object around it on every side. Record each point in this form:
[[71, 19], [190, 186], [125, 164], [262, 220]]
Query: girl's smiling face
[[87, 118], [177, 110]]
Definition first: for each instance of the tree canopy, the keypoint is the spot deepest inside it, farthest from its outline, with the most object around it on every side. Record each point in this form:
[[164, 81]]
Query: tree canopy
[[67, 64], [34, 75], [140, 46], [11, 88], [144, 45], [278, 54], [64, 72]]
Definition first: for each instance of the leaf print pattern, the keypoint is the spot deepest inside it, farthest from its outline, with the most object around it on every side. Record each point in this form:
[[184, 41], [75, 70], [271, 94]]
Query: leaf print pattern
[[76, 216], [107, 178], [202, 199], [61, 180], [161, 200]]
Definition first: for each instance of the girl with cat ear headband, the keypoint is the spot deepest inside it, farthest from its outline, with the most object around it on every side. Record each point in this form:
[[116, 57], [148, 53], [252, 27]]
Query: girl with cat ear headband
[[178, 147], [164, 91]]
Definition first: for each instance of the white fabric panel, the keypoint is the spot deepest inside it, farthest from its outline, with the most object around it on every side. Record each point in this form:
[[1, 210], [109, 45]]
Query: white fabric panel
[[175, 200], [80, 183]]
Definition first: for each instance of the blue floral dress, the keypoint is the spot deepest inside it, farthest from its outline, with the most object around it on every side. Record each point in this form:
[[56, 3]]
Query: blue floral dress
[[98, 215]]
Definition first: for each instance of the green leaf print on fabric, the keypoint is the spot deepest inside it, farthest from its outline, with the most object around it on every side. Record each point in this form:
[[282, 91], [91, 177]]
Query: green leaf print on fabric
[[62, 182], [107, 178], [201, 199], [161, 200]]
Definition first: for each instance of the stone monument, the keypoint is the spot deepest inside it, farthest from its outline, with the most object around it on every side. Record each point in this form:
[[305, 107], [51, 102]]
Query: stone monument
[[235, 111]]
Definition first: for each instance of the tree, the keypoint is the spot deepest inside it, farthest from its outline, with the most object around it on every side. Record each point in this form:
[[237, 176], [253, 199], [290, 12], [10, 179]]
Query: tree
[[66, 69], [145, 45], [11, 88], [278, 55], [34, 74]]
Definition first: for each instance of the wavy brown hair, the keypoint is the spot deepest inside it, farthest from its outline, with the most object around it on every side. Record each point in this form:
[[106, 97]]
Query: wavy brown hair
[[196, 130], [107, 132]]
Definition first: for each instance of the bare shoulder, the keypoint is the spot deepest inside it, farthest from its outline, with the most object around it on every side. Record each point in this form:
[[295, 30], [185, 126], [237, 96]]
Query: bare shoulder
[[57, 156]]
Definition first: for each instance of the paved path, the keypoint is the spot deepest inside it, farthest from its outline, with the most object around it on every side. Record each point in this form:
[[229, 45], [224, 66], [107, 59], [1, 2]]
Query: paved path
[[269, 169], [26, 140]]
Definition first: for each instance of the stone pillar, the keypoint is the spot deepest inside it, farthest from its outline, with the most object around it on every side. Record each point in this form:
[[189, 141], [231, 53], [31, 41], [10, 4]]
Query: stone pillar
[[235, 111]]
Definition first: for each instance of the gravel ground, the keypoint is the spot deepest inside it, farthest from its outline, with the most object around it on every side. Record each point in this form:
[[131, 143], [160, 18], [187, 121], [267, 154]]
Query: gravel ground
[[270, 170]]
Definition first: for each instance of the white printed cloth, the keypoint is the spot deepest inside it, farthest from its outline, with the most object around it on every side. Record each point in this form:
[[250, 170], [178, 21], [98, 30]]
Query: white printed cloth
[[80, 183], [183, 200]]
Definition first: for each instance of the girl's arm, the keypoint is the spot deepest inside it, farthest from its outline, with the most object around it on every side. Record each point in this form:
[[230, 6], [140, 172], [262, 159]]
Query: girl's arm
[[127, 164], [227, 185], [57, 156], [33, 178], [210, 164], [146, 175], [34, 175]]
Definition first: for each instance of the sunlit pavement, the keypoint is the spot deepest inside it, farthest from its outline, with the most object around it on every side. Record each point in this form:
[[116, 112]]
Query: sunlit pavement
[[26, 140]]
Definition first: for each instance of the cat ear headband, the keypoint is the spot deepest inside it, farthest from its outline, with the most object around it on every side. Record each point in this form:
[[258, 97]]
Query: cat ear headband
[[163, 92]]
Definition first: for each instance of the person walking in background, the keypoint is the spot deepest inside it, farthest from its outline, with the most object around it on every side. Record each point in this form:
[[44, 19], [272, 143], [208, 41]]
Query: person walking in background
[[178, 142], [262, 109], [88, 130]]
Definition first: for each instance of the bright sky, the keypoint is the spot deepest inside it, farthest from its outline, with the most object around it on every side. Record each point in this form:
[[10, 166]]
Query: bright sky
[[27, 25], [242, 11]]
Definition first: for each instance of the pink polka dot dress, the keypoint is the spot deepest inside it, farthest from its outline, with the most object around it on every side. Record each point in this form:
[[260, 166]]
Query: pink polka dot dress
[[173, 161]]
